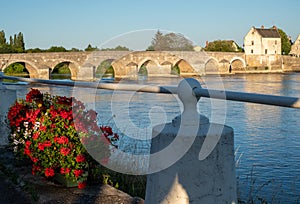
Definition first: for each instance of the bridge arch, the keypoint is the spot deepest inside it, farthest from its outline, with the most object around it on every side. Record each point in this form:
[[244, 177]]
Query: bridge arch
[[31, 68], [237, 64], [151, 67], [212, 66], [184, 67], [73, 67], [105, 68]]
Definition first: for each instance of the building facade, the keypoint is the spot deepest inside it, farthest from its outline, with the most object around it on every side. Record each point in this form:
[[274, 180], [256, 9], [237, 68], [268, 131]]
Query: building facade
[[295, 50], [261, 41]]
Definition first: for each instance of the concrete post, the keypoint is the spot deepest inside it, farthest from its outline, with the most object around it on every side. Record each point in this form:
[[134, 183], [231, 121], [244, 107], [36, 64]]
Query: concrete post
[[7, 98], [190, 180]]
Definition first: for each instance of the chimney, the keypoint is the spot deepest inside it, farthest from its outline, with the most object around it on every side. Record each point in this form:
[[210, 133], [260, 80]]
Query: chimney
[[262, 27], [206, 43], [274, 27]]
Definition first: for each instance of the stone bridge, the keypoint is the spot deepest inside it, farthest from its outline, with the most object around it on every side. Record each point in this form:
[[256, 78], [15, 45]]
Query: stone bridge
[[127, 64]]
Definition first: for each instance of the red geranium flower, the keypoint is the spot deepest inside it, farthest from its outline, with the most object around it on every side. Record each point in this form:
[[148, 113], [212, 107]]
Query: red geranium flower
[[78, 172], [81, 185], [65, 151], [65, 170], [36, 135], [80, 158], [41, 146], [47, 144], [49, 172]]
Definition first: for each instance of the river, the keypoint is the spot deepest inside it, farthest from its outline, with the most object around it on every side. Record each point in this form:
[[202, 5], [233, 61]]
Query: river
[[267, 138]]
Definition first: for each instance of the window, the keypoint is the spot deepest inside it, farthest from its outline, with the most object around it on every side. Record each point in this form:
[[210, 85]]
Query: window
[[251, 51], [252, 42], [275, 42], [266, 51]]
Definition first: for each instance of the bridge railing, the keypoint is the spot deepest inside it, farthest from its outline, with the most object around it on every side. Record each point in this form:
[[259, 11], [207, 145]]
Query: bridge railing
[[275, 100], [214, 167]]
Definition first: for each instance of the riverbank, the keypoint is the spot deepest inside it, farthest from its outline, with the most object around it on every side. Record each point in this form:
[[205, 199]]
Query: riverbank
[[18, 185]]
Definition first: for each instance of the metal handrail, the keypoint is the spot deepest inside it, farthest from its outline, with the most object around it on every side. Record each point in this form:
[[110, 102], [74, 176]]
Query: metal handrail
[[275, 100]]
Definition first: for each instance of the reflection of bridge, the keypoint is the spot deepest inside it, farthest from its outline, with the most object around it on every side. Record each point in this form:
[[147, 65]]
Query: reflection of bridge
[[127, 63]]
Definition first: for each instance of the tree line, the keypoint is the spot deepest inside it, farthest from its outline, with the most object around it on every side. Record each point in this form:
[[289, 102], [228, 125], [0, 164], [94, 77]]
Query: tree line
[[15, 45], [160, 42]]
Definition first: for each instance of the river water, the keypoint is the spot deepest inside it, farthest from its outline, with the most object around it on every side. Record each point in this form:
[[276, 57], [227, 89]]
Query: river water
[[267, 138]]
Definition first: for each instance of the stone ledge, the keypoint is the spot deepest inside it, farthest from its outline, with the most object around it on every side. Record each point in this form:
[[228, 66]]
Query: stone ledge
[[18, 185]]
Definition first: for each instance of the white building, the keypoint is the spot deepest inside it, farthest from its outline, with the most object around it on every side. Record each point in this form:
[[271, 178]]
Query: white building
[[295, 50], [261, 41]]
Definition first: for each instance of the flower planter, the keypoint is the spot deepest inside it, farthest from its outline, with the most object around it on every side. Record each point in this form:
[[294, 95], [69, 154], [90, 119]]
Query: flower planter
[[64, 181], [54, 133]]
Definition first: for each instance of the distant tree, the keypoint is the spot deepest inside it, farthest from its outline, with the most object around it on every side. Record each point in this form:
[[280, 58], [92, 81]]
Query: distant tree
[[4, 47], [75, 50], [18, 44], [118, 48], [16, 68], [285, 42], [2, 38], [56, 49], [150, 48], [170, 42], [222, 46], [34, 50], [62, 68], [90, 48], [11, 41]]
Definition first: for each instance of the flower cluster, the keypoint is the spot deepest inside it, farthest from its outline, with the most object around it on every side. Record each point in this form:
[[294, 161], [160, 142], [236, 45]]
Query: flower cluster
[[55, 132]]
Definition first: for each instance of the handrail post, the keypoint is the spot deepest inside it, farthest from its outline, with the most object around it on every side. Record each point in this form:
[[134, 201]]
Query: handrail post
[[1, 79], [188, 179], [7, 98]]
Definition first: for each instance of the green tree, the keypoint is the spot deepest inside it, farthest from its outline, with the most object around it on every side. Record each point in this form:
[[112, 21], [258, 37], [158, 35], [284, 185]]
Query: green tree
[[16, 69], [18, 43], [4, 47], [285, 42], [62, 68], [56, 49], [90, 48], [222, 46], [75, 50], [170, 42], [118, 48], [11, 41], [2, 38], [34, 50]]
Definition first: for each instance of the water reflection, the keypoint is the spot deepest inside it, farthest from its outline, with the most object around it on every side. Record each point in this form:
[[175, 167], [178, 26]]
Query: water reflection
[[267, 137]]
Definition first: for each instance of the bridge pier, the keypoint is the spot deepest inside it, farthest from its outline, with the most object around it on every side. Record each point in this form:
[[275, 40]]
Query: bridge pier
[[86, 73], [43, 73]]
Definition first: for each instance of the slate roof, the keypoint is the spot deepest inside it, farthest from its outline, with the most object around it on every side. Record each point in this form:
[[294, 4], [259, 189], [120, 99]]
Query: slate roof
[[268, 33]]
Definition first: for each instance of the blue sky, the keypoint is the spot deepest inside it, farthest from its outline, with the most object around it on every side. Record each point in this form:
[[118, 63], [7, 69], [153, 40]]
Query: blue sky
[[132, 23]]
